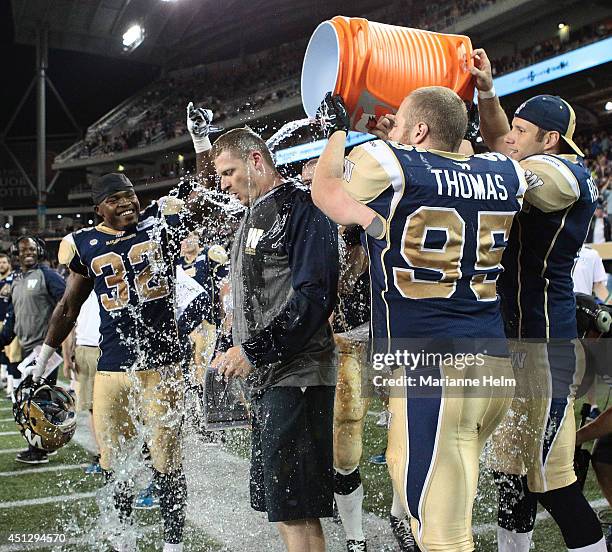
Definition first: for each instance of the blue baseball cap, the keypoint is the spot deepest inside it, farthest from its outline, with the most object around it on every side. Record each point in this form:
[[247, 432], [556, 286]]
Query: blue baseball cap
[[551, 113]]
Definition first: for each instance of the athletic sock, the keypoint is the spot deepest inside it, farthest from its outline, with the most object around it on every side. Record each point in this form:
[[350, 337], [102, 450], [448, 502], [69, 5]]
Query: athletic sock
[[599, 546], [517, 505], [123, 496], [172, 491], [510, 541], [168, 547], [348, 492], [397, 509], [576, 519]]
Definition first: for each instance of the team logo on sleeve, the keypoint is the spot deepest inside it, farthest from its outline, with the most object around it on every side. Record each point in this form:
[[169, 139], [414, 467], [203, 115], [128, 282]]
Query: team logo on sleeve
[[348, 169], [533, 180]]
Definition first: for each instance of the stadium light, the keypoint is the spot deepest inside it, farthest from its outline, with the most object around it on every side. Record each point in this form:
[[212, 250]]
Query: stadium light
[[59, 216], [90, 221], [608, 106], [120, 168], [180, 158], [561, 26], [78, 215], [7, 225], [133, 37]]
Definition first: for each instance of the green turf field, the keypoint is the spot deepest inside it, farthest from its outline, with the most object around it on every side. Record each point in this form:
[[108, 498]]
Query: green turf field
[[72, 509]]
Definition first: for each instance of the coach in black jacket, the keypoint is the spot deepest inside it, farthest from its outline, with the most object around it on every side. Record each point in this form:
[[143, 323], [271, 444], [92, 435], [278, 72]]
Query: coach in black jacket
[[284, 271]]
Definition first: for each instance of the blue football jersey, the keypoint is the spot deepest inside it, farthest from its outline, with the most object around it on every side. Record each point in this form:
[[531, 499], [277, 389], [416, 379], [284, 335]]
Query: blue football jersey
[[134, 281], [208, 269], [446, 220], [5, 298], [537, 287], [210, 263]]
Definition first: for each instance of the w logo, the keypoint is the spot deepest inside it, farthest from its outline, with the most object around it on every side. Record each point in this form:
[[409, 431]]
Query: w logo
[[517, 359], [252, 240], [34, 440], [31, 284]]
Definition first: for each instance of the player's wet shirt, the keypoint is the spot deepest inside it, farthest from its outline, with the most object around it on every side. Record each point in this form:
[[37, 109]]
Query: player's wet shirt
[[284, 282], [537, 287], [133, 273], [446, 222]]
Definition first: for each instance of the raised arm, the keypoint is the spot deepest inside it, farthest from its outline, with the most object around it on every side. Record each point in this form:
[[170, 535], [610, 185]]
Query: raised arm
[[328, 192], [493, 121]]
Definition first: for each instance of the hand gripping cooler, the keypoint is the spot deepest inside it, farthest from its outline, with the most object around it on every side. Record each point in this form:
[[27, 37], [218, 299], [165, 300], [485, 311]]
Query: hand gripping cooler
[[374, 66]]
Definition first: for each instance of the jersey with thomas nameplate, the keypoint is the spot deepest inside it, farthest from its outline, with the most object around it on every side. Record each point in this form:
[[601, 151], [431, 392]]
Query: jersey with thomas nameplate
[[446, 220]]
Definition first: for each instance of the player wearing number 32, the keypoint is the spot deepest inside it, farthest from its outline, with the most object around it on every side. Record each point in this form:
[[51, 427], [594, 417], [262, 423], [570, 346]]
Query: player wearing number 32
[[127, 260], [436, 225]]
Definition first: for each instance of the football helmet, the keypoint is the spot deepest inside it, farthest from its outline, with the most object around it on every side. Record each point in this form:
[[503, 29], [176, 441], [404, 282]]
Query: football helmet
[[591, 317], [46, 414]]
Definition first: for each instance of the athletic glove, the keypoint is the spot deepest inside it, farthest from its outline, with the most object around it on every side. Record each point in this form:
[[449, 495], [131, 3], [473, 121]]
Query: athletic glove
[[198, 124], [332, 115], [37, 366]]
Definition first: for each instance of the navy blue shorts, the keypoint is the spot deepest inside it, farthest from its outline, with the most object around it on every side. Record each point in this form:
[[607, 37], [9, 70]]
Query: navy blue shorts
[[292, 453]]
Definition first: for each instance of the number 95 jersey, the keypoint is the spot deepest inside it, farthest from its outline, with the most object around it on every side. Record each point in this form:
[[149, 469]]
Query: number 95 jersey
[[133, 273], [446, 220]]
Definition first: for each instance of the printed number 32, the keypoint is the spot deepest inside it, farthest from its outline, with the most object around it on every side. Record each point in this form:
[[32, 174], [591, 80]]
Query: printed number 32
[[117, 281]]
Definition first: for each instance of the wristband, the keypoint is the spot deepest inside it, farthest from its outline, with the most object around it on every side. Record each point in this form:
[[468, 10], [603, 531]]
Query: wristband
[[201, 144], [45, 354], [488, 94]]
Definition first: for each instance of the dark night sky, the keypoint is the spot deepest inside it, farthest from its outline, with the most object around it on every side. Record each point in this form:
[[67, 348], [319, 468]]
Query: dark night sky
[[90, 85]]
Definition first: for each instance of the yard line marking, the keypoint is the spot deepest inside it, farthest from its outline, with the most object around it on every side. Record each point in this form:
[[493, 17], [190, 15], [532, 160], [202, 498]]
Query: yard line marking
[[373, 413], [490, 527], [53, 468], [5, 433], [45, 500], [7, 420], [12, 451]]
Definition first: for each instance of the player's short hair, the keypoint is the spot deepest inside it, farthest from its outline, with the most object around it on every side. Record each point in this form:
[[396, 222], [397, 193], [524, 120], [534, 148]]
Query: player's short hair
[[241, 142], [5, 256], [443, 111]]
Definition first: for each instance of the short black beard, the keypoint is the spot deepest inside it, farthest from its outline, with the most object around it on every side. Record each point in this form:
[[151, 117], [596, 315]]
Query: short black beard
[[5, 274]]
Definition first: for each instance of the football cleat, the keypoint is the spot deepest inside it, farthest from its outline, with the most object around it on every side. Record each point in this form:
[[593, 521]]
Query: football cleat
[[356, 546], [403, 534], [32, 456]]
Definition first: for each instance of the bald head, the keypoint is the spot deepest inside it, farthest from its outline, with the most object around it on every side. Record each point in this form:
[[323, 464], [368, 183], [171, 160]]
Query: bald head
[[434, 117]]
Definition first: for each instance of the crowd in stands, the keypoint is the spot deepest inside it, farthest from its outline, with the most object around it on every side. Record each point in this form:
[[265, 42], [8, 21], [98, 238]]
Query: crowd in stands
[[157, 114], [552, 47], [597, 148]]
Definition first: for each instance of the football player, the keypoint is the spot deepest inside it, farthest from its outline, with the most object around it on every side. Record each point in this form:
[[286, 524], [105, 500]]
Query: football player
[[7, 372], [538, 303], [128, 260], [436, 224]]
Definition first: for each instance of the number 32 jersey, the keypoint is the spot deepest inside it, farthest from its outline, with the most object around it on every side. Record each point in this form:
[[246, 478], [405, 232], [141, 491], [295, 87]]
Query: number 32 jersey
[[133, 273], [446, 220]]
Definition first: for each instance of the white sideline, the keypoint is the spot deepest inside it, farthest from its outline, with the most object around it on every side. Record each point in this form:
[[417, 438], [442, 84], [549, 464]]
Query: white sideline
[[7, 420], [45, 500], [41, 469], [13, 450], [5, 433]]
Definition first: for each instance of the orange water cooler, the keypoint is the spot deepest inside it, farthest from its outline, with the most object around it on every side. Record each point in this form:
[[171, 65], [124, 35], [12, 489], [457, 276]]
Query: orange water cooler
[[374, 66]]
